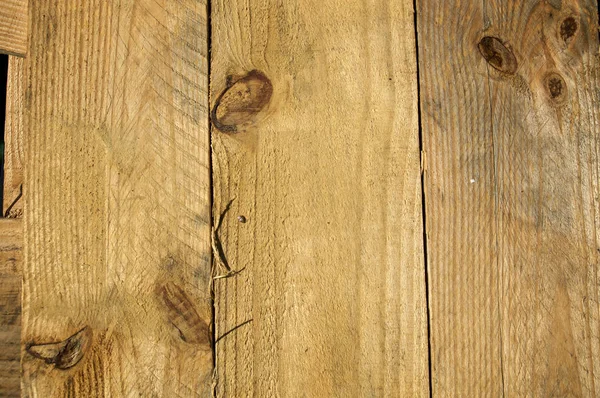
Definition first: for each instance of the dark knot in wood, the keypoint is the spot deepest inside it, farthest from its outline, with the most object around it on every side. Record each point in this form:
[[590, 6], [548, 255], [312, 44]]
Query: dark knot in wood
[[568, 29], [64, 354], [241, 102], [556, 87], [498, 55]]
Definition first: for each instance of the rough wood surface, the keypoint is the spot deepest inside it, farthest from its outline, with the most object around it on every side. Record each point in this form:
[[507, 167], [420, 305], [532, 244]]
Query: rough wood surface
[[509, 95], [11, 258], [116, 295], [315, 136], [13, 27], [13, 139]]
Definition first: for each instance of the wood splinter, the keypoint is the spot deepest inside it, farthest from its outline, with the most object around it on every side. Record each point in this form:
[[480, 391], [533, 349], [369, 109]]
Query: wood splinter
[[218, 251]]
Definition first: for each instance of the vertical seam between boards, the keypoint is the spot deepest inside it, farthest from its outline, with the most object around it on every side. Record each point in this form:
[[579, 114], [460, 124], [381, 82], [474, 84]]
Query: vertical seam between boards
[[3, 102], [210, 186], [598, 25], [423, 201]]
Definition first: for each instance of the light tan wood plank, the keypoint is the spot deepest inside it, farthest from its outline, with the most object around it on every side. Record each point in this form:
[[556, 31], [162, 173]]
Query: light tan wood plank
[[317, 141], [116, 295], [509, 94], [11, 263], [13, 139], [13, 27]]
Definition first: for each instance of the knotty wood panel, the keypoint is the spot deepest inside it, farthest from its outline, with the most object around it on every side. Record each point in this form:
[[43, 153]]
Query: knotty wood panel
[[509, 96], [13, 139], [117, 221], [11, 259], [13, 27], [315, 139]]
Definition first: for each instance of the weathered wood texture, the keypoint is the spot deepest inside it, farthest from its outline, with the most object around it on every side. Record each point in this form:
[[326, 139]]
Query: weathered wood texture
[[11, 258], [510, 127], [316, 138], [13, 139], [117, 218], [13, 27]]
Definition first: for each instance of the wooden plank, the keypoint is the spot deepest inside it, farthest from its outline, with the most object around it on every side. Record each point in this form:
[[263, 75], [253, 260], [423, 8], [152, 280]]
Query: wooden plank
[[13, 27], [11, 259], [509, 95], [117, 259], [316, 139], [13, 139]]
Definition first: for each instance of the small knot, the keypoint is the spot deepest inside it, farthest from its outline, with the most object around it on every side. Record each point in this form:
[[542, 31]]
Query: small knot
[[568, 28], [64, 354], [241, 102], [498, 55], [555, 86]]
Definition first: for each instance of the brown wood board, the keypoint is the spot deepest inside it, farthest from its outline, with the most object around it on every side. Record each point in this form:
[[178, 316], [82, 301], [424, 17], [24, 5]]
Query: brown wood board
[[116, 297], [509, 96], [315, 139], [11, 263], [13, 139]]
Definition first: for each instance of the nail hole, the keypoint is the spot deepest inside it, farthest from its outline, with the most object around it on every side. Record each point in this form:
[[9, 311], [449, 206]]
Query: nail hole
[[498, 55]]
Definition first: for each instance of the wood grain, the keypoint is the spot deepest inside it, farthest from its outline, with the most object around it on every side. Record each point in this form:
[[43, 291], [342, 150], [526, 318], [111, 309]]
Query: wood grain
[[13, 139], [11, 263], [116, 297], [13, 27], [315, 136], [512, 195]]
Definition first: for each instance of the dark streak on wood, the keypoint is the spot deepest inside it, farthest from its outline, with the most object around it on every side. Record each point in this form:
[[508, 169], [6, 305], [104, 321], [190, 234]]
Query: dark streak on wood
[[182, 315]]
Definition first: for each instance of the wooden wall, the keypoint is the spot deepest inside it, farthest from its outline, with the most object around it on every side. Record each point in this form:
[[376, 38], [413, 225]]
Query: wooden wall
[[300, 198]]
